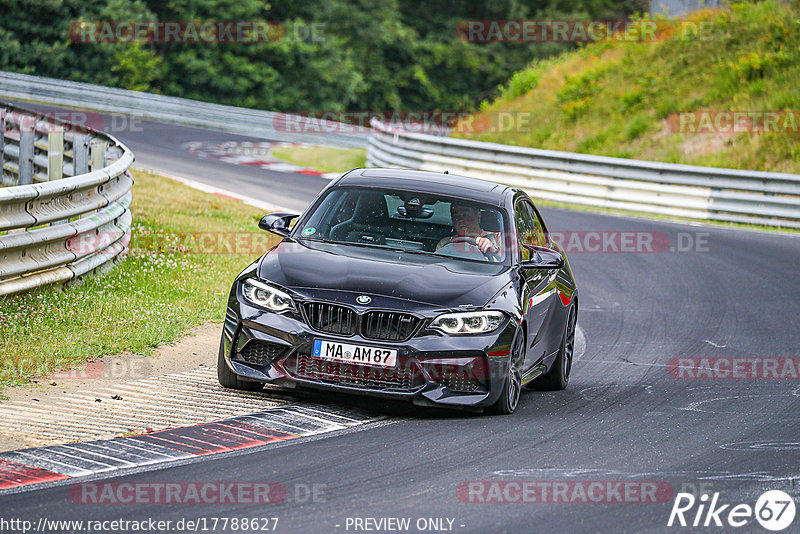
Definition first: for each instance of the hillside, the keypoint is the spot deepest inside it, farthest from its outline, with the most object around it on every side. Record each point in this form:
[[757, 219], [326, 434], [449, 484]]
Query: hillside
[[307, 57], [666, 98]]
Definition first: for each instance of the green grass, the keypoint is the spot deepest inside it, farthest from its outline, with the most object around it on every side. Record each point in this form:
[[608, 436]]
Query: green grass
[[616, 98], [322, 158], [178, 274]]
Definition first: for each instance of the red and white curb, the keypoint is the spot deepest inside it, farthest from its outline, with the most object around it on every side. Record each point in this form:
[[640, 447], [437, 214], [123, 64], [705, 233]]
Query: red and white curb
[[275, 425], [253, 154], [192, 415]]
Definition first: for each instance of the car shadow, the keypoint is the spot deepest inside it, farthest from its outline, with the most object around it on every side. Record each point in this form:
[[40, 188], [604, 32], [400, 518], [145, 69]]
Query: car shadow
[[532, 401]]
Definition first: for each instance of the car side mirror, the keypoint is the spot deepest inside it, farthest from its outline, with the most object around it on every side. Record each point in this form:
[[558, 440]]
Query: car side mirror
[[277, 223], [543, 258]]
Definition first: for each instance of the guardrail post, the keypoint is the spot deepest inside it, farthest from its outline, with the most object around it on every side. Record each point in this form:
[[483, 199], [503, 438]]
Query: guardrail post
[[55, 153], [26, 155], [80, 154], [99, 155]]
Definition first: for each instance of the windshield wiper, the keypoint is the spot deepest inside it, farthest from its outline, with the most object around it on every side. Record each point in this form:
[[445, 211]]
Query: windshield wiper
[[319, 240], [414, 251], [394, 249], [367, 245]]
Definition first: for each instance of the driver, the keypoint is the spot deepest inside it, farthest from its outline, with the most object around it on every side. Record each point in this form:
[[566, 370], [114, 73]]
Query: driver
[[466, 223]]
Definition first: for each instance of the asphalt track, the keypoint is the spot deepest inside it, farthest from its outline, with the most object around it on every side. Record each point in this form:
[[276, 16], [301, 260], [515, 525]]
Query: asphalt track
[[624, 416], [160, 147]]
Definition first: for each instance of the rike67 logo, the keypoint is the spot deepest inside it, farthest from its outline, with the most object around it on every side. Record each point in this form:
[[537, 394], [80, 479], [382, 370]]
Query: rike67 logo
[[774, 510]]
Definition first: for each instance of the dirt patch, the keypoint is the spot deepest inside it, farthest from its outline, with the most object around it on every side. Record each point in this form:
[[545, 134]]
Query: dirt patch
[[197, 350], [697, 146]]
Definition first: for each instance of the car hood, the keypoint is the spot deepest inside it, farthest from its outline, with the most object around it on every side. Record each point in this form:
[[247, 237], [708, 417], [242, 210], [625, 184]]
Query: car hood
[[321, 270]]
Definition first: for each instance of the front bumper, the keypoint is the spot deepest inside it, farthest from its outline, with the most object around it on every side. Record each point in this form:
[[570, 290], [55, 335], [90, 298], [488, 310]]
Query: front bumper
[[432, 368]]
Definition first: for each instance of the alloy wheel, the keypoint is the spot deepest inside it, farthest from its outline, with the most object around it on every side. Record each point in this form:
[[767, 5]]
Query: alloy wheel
[[514, 374]]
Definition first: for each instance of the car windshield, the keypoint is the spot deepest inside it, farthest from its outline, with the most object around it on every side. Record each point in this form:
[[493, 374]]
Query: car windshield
[[421, 223]]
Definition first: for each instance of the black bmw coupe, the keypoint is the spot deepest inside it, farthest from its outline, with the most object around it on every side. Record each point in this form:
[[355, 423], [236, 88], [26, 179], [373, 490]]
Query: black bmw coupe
[[435, 288]]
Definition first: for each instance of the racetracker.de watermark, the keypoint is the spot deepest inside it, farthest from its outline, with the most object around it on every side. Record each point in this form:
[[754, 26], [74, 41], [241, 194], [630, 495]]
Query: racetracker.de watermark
[[499, 122], [177, 493], [709, 121], [580, 31], [735, 368], [567, 492], [256, 243], [358, 122], [68, 121], [194, 31], [109, 368], [195, 492], [629, 241]]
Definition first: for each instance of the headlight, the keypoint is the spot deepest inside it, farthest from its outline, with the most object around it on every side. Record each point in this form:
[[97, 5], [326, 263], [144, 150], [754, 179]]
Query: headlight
[[468, 322], [266, 296]]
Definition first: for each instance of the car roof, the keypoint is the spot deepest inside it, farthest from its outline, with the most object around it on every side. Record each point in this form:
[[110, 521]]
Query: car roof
[[426, 182]]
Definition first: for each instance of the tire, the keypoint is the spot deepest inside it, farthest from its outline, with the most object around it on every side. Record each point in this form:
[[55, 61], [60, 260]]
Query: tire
[[229, 379], [512, 386], [558, 377]]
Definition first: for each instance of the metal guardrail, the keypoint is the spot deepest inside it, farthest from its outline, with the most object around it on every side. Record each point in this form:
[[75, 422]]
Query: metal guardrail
[[64, 211], [678, 8], [243, 121], [707, 193]]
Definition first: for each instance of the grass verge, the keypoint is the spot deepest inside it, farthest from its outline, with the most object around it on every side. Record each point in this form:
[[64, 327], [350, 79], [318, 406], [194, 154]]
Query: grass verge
[[322, 158], [186, 248]]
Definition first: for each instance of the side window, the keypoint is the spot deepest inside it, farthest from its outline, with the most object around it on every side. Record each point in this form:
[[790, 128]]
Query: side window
[[541, 235], [526, 228], [529, 228]]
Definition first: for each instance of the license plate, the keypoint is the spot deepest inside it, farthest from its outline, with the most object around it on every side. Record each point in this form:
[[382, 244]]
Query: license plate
[[345, 352]]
